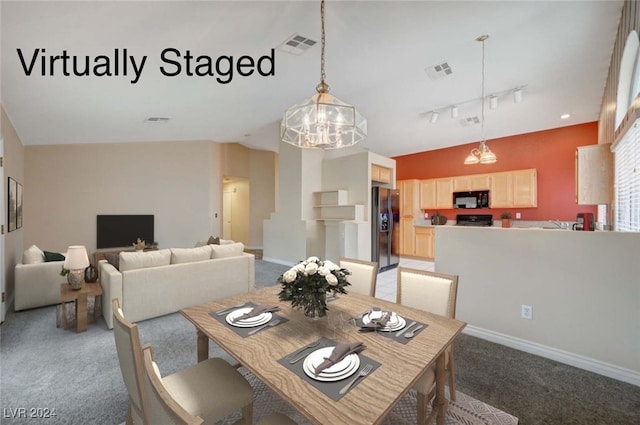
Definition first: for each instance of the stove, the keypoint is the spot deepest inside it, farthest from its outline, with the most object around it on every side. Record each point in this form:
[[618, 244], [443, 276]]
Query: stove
[[480, 220]]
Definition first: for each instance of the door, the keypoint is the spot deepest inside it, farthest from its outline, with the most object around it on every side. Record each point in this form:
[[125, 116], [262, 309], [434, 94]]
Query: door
[[227, 208]]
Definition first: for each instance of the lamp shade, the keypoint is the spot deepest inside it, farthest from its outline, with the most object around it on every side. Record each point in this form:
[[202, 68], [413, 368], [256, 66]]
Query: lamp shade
[[77, 258]]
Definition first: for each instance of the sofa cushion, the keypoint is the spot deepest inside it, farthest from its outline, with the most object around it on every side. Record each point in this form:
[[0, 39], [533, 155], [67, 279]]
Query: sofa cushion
[[113, 258], [139, 260], [214, 241], [189, 255], [33, 255], [229, 250], [53, 256]]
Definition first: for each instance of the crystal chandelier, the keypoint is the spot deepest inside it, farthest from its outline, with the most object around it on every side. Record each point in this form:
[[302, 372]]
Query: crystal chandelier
[[323, 121], [482, 154]]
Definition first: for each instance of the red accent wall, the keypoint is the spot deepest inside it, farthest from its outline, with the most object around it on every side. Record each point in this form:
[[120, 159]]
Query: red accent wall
[[551, 152]]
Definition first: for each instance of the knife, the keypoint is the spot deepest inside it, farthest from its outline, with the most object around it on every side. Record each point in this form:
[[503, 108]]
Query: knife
[[401, 331]]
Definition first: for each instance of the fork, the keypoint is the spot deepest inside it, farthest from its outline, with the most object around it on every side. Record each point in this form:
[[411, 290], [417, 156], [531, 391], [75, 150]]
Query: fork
[[364, 372], [221, 312]]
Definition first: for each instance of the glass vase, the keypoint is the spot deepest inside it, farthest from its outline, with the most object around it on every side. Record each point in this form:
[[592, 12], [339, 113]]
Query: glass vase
[[316, 307]]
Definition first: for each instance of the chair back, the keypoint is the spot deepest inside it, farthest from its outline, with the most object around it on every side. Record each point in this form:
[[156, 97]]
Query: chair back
[[364, 275], [163, 408], [127, 341], [428, 291]]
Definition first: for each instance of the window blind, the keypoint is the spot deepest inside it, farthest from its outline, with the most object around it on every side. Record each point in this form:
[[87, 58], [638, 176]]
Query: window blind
[[627, 181]]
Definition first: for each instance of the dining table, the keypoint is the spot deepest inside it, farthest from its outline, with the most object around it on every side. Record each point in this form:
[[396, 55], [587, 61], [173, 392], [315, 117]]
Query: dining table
[[400, 361]]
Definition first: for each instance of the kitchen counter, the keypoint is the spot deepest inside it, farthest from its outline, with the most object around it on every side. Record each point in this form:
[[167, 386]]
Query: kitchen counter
[[583, 288]]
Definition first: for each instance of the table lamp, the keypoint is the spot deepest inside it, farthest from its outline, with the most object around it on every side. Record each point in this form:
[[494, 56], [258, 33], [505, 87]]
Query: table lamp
[[76, 261]]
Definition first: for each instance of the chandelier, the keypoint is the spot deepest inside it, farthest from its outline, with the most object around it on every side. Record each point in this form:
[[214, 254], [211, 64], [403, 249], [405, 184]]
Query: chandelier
[[323, 121], [482, 154]]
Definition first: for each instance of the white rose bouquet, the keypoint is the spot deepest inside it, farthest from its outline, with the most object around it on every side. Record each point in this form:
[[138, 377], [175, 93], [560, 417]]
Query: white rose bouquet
[[307, 283]]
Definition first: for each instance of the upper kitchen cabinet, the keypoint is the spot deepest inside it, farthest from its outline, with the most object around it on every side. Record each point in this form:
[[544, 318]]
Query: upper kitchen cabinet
[[409, 198], [514, 189], [471, 182], [436, 193], [380, 174], [594, 174]]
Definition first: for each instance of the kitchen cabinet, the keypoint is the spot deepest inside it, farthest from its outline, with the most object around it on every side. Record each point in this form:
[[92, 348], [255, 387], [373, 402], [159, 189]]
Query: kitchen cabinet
[[594, 174], [424, 245], [380, 174], [471, 182], [428, 194], [444, 193], [514, 189], [407, 237], [409, 198]]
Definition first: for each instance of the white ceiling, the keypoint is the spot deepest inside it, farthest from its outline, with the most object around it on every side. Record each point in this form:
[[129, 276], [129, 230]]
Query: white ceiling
[[377, 52]]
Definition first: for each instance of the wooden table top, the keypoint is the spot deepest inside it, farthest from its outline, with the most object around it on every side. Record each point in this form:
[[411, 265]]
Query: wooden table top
[[67, 294], [367, 403]]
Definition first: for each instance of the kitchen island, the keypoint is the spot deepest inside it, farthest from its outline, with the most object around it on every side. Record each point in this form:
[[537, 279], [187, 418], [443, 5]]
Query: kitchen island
[[583, 287]]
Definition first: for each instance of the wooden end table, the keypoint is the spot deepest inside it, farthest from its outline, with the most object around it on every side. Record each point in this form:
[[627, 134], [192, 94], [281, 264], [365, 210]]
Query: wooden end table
[[68, 295]]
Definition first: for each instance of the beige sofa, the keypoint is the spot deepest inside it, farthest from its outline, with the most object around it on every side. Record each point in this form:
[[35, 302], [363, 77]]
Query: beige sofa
[[37, 284], [154, 283]]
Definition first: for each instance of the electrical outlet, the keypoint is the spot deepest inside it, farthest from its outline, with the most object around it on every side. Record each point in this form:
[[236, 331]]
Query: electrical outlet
[[518, 216], [527, 312]]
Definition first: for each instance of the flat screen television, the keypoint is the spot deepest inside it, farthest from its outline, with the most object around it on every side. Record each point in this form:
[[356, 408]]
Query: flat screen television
[[117, 231]]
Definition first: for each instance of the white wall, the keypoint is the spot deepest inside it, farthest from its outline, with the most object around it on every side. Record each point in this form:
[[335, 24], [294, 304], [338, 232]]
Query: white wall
[[584, 288], [66, 186]]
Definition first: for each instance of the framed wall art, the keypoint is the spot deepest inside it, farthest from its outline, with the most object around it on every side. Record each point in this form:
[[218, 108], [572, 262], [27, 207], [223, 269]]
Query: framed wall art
[[12, 205], [19, 206]]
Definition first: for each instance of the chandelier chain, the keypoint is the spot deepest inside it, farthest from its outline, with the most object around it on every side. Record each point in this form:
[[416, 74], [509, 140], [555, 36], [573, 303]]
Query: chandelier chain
[[322, 44], [482, 94]]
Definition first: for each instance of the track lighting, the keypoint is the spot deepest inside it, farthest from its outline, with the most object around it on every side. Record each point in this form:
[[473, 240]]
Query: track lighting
[[493, 101], [454, 112], [517, 95], [434, 117]]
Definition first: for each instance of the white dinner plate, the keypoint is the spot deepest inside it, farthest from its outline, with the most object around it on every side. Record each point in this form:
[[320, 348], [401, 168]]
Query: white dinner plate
[[395, 323], [251, 322], [341, 370]]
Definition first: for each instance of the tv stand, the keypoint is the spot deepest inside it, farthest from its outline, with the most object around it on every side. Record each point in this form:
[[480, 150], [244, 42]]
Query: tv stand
[[100, 255]]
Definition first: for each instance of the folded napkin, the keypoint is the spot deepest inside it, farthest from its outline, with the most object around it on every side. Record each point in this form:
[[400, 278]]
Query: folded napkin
[[256, 311], [375, 324], [339, 352]]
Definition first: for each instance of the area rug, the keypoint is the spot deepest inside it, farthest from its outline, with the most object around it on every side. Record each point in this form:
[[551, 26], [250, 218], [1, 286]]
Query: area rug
[[464, 411]]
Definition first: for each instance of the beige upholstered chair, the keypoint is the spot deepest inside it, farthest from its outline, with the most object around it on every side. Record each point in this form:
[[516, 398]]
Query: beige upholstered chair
[[212, 389], [435, 293], [364, 275]]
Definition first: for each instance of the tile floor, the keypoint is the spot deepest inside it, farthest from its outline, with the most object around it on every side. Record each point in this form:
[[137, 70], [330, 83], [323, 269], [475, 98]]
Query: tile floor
[[386, 285]]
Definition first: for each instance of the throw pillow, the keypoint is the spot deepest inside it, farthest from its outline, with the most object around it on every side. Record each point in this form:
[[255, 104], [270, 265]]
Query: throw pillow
[[213, 241], [189, 255], [52, 256], [113, 258], [140, 260], [229, 250], [33, 255]]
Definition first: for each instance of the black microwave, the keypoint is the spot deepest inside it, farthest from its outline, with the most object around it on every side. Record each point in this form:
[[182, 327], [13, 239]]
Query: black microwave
[[471, 199]]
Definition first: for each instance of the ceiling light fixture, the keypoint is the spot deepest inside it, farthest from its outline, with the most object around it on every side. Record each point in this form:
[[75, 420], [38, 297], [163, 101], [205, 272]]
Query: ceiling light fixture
[[482, 154], [434, 117], [493, 101], [517, 95], [454, 111], [565, 116], [323, 121]]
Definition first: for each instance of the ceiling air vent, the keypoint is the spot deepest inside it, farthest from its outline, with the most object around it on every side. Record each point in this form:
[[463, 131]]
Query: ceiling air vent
[[470, 121], [157, 119], [296, 45], [439, 70]]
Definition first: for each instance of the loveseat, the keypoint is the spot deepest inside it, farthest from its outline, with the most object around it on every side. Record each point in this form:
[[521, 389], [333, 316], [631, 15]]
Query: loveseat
[[154, 283], [37, 279]]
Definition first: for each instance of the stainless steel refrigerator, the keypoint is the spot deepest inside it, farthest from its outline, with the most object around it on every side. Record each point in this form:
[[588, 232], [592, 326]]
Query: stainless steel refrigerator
[[385, 227]]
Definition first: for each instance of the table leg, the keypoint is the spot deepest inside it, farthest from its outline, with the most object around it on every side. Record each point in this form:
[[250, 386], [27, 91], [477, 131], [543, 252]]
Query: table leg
[[440, 401], [81, 313], [203, 346]]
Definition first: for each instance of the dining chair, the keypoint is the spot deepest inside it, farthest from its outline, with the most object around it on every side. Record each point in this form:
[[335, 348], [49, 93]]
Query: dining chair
[[211, 389], [435, 293], [364, 275], [165, 409]]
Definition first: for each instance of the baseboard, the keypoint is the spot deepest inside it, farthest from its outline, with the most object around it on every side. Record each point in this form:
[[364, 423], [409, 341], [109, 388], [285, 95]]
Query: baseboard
[[576, 360], [277, 261]]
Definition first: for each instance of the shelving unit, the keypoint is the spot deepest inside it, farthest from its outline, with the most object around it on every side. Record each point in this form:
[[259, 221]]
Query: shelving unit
[[332, 205]]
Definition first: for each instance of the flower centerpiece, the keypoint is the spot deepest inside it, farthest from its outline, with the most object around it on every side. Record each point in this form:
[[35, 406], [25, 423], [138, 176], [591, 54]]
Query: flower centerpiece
[[307, 283], [139, 245]]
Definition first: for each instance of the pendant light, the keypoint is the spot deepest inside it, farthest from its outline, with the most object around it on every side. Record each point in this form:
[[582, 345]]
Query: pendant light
[[482, 154], [323, 121]]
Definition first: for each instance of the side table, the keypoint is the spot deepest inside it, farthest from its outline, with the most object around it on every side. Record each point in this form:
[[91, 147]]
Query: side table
[[79, 297]]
